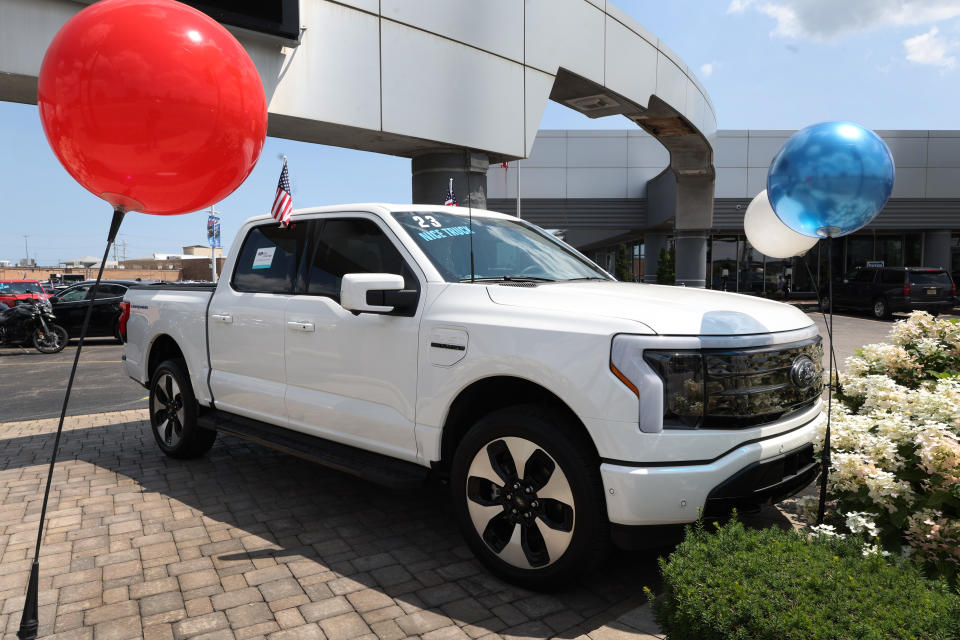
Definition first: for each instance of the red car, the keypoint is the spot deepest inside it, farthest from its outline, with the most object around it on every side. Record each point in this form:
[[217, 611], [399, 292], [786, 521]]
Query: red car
[[14, 291]]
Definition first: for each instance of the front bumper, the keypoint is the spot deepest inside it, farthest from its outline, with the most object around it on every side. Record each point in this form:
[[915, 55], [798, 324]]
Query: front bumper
[[751, 475]]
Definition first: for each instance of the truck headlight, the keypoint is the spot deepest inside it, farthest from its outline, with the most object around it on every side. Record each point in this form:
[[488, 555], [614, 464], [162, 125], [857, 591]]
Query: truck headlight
[[683, 386]]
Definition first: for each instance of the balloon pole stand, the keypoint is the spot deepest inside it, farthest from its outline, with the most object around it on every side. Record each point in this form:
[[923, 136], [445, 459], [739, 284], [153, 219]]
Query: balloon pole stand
[[825, 454], [29, 620]]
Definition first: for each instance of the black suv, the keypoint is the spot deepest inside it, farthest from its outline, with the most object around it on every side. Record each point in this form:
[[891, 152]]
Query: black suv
[[884, 290]]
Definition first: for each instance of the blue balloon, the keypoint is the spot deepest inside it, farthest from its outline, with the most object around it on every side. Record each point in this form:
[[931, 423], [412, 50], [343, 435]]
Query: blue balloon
[[830, 179]]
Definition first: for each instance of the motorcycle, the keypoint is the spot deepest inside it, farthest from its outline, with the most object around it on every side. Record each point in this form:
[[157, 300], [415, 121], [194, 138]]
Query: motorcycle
[[32, 322]]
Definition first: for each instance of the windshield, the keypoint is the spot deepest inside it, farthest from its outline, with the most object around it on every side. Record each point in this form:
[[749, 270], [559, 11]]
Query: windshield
[[20, 287], [502, 249]]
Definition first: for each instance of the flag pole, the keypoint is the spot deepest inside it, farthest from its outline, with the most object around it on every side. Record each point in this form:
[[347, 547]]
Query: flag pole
[[518, 189], [213, 245]]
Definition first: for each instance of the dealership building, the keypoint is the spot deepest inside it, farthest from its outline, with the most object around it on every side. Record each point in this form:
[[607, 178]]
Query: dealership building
[[602, 189]]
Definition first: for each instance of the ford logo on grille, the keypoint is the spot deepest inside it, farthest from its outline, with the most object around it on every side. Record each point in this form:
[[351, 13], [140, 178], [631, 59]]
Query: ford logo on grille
[[803, 372]]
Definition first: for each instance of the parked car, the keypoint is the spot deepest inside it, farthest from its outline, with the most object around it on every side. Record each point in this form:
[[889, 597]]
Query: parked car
[[562, 407], [15, 291], [70, 305], [886, 290]]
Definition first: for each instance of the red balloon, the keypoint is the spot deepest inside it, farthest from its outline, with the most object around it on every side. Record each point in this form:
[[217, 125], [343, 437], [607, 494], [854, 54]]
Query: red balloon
[[152, 105]]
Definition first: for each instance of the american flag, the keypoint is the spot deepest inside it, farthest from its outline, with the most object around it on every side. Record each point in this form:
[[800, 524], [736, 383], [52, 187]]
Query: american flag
[[283, 203], [450, 200]]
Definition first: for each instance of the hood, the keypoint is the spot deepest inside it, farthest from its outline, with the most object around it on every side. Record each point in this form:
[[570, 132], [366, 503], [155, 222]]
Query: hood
[[666, 310]]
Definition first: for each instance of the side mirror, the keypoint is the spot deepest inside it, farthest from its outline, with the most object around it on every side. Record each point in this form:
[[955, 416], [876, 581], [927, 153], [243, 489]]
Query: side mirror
[[376, 293]]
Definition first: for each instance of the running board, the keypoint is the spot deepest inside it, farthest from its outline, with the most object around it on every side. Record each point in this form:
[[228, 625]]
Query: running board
[[374, 467]]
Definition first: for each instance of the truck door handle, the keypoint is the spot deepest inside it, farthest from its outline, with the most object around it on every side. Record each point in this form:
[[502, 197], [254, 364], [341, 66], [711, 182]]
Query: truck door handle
[[297, 325], [226, 319]]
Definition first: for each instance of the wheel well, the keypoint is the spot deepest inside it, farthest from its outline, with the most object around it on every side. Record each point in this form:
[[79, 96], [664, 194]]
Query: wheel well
[[490, 394], [163, 348]]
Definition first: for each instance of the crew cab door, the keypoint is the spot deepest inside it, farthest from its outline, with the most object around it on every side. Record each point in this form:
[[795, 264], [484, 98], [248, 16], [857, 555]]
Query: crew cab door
[[353, 377], [246, 323]]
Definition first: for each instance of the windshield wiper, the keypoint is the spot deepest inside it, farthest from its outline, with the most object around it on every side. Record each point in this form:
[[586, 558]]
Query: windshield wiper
[[586, 278], [508, 279]]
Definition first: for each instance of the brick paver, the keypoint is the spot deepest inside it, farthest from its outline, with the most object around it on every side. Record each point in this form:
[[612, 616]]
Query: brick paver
[[250, 543]]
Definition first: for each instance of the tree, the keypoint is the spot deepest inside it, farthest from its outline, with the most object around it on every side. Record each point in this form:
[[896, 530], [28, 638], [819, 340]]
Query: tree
[[666, 262], [622, 267]]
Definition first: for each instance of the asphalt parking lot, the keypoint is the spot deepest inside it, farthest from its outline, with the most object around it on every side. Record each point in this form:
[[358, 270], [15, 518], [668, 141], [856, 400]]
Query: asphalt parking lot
[[32, 383]]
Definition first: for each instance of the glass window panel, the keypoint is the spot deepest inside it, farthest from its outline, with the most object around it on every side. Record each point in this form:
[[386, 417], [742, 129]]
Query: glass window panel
[[859, 250], [751, 269], [913, 249], [890, 250], [724, 256]]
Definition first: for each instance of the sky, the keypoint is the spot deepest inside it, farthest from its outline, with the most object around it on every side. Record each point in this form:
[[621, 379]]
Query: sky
[[767, 64]]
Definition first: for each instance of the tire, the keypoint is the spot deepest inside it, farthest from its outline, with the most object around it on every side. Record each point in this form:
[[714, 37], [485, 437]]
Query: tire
[[52, 342], [173, 413], [116, 332], [825, 303], [880, 309], [539, 531]]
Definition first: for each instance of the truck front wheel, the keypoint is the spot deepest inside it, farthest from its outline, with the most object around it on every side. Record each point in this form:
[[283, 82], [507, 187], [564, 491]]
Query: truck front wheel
[[173, 413], [528, 497]]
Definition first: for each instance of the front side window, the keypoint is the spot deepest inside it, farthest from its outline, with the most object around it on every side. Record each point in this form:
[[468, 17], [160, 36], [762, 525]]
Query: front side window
[[502, 248], [267, 262], [75, 294], [352, 245]]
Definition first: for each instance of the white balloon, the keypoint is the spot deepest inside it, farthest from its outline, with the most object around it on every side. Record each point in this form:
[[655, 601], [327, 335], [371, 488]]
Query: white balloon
[[769, 235]]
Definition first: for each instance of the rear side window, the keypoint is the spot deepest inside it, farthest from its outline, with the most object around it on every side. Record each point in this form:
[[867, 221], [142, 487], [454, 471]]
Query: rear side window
[[353, 245], [892, 277], [268, 260], [930, 278], [110, 291]]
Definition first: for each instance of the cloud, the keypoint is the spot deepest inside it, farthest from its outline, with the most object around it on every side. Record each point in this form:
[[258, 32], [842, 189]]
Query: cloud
[[930, 48], [830, 20], [706, 70]]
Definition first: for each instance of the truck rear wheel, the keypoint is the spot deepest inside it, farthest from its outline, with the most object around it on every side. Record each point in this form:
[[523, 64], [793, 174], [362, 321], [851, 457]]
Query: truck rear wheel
[[528, 497], [173, 413]]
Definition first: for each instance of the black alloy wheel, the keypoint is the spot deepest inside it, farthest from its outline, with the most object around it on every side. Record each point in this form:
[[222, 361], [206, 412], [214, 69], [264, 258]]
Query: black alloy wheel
[[880, 309], [527, 491], [173, 413]]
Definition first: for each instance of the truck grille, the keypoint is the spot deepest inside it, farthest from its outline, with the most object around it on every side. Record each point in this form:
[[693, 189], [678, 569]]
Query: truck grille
[[753, 386]]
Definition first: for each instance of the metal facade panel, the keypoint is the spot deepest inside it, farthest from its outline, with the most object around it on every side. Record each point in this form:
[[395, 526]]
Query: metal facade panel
[[577, 213], [903, 214]]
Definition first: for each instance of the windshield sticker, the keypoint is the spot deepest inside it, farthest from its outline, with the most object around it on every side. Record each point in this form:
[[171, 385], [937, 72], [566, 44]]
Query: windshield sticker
[[264, 257], [449, 232]]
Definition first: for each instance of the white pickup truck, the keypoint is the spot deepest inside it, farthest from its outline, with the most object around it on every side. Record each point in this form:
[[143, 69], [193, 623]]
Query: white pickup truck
[[564, 408]]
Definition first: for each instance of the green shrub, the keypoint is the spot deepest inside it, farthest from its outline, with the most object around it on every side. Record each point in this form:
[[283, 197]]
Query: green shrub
[[774, 584]]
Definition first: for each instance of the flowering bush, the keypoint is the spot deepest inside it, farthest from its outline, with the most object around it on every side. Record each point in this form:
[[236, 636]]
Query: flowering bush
[[895, 444]]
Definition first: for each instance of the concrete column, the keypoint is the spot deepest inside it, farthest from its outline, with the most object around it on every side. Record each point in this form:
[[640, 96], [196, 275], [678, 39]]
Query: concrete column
[[652, 243], [936, 249], [694, 218], [432, 172], [691, 250]]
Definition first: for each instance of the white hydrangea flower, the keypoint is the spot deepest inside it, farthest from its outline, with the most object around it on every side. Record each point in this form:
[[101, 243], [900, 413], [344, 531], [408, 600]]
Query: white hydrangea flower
[[874, 550], [861, 522], [928, 347], [825, 531]]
